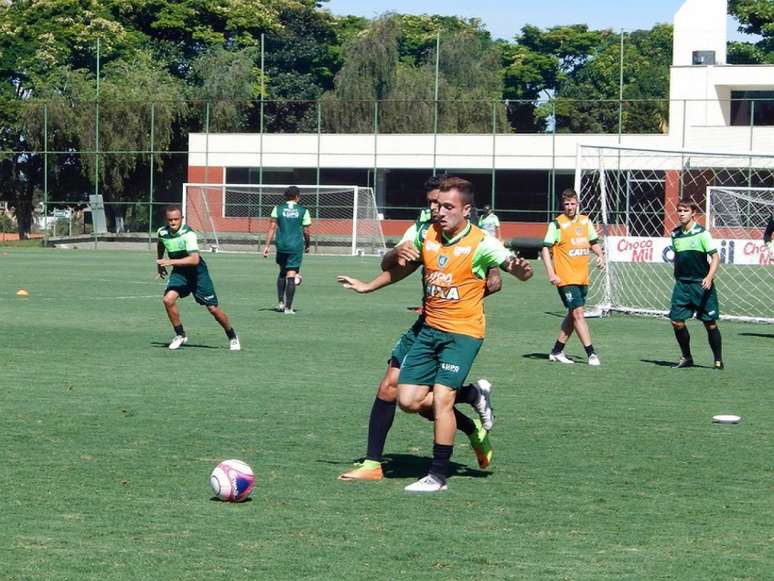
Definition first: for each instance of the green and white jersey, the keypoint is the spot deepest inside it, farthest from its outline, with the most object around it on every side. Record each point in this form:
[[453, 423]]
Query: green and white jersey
[[489, 224], [411, 233], [291, 219], [691, 250], [181, 244]]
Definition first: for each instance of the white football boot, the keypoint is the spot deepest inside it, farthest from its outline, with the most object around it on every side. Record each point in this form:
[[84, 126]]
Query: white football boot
[[559, 358], [178, 342], [483, 405], [233, 344], [427, 484]]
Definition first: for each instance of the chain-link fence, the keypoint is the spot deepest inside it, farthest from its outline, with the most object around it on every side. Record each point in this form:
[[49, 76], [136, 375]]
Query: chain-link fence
[[136, 155]]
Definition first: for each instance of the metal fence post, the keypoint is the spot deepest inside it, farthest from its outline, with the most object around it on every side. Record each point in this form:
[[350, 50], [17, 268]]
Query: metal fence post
[[494, 153], [45, 176], [152, 170]]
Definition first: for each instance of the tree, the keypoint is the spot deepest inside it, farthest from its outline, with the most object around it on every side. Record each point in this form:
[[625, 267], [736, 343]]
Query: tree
[[391, 66], [578, 69], [755, 17]]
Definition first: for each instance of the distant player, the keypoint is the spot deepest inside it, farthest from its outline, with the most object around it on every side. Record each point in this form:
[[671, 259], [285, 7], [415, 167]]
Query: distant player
[[290, 221], [189, 276], [455, 256], [490, 223], [385, 403], [767, 237], [571, 236], [696, 262]]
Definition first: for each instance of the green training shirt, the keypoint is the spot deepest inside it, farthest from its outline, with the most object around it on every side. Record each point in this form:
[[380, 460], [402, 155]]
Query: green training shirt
[[691, 251], [181, 244], [411, 233], [291, 219]]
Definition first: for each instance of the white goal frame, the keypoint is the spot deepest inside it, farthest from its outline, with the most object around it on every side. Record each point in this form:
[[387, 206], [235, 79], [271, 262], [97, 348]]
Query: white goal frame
[[364, 235], [631, 193]]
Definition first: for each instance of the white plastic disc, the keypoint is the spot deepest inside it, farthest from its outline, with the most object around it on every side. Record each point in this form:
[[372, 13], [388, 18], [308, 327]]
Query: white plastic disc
[[726, 419]]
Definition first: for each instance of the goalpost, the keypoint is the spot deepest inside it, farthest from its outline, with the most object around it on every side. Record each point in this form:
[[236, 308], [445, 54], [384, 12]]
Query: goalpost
[[631, 194], [236, 217]]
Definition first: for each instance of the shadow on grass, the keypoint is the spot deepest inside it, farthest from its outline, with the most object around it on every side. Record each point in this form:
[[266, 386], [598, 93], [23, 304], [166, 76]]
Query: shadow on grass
[[544, 357], [274, 310], [246, 500], [662, 363], [764, 335], [409, 466], [186, 346]]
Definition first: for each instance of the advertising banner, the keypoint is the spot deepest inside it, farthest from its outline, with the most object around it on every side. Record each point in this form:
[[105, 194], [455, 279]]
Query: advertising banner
[[646, 249]]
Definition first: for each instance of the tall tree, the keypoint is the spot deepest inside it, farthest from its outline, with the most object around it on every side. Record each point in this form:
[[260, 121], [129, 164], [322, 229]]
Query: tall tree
[[578, 70], [755, 17]]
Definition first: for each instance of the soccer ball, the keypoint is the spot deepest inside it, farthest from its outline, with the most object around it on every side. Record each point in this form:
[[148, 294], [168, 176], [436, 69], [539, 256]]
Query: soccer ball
[[299, 279], [232, 481]]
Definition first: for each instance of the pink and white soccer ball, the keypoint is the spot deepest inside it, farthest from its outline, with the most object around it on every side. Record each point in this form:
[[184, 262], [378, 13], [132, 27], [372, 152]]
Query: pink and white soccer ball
[[299, 280], [232, 480]]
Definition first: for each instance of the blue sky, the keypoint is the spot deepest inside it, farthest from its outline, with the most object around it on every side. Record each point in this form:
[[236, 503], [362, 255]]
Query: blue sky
[[504, 18]]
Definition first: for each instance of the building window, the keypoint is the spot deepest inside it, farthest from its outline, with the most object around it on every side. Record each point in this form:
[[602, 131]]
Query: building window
[[742, 106]]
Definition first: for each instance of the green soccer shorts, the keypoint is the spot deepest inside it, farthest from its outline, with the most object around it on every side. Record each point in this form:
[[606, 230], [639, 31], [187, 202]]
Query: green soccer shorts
[[403, 345], [573, 295], [689, 298], [439, 357], [290, 261], [197, 282]]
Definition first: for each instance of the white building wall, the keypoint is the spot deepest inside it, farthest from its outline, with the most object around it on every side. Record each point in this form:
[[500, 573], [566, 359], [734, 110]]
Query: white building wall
[[700, 25]]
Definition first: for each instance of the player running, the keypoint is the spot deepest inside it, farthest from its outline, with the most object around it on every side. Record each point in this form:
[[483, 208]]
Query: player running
[[189, 276], [383, 409], [456, 256], [570, 237], [290, 221]]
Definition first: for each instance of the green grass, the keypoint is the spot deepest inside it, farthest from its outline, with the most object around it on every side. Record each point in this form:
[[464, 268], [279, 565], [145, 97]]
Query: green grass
[[108, 438]]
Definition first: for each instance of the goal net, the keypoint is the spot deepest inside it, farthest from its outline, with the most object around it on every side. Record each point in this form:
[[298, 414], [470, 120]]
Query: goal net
[[632, 194], [236, 217]]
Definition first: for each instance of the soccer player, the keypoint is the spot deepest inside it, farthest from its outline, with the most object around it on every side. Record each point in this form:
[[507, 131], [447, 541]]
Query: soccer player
[[767, 237], [290, 221], [456, 256], [490, 223], [570, 237], [696, 262], [189, 276], [383, 409]]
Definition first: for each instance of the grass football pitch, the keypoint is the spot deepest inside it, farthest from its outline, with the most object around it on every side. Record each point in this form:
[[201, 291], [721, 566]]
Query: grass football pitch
[[108, 438]]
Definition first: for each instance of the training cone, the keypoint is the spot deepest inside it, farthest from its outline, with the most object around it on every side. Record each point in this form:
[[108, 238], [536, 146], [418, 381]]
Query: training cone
[[22, 292]]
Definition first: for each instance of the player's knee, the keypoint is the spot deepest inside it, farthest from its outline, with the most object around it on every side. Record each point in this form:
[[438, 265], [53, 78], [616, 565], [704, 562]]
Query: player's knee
[[678, 324], [409, 403], [388, 390], [577, 314], [169, 300], [710, 325]]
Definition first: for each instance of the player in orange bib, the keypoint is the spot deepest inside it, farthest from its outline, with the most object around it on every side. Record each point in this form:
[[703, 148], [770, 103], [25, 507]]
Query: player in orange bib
[[456, 256], [571, 236]]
